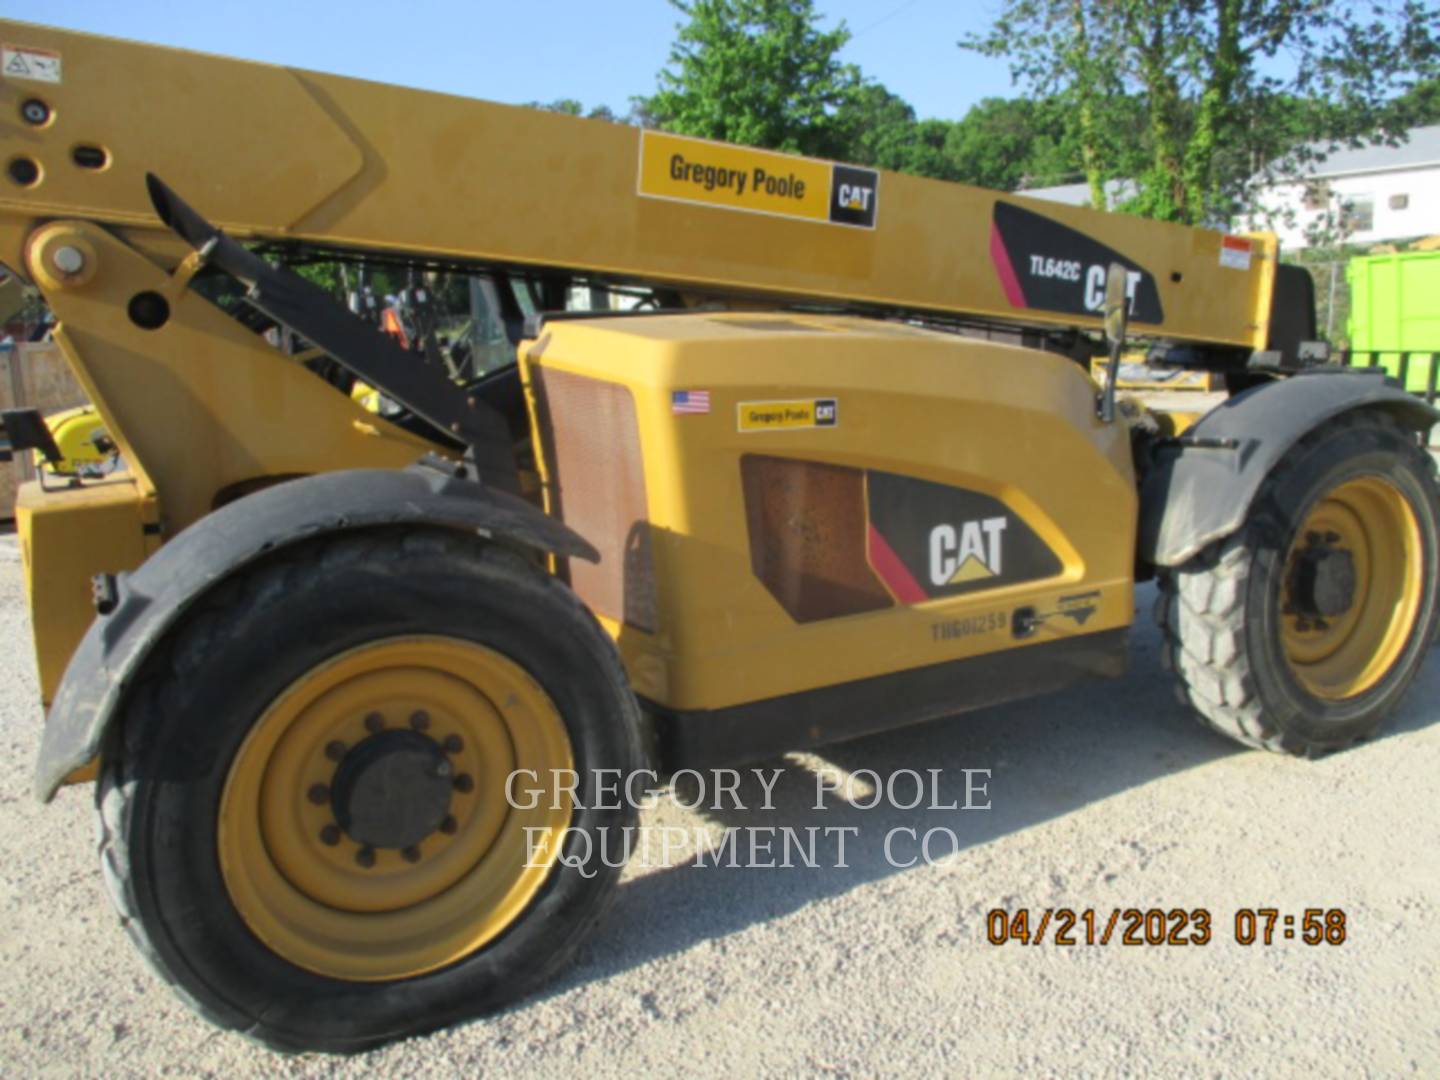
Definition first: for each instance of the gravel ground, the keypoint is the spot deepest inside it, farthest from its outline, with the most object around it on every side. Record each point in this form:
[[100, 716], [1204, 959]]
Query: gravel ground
[[1100, 798]]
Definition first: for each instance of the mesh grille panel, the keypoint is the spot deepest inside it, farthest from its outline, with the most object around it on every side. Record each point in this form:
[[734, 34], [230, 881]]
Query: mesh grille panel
[[592, 451]]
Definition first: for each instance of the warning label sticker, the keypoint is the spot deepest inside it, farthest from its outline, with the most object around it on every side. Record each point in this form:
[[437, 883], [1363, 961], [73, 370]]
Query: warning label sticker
[[739, 178], [1235, 252], [788, 415], [19, 62]]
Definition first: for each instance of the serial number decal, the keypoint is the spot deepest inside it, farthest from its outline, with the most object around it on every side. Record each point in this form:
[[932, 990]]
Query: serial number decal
[[1161, 926], [950, 629], [759, 181], [788, 415]]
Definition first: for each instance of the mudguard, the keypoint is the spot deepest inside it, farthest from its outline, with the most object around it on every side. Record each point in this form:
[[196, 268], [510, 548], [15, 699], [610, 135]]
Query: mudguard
[[147, 602], [1202, 485]]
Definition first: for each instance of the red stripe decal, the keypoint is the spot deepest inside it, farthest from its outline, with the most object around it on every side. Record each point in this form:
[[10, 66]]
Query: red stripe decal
[[892, 571], [1003, 267]]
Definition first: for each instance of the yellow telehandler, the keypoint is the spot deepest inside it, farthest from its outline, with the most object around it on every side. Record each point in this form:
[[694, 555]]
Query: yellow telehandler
[[841, 468]]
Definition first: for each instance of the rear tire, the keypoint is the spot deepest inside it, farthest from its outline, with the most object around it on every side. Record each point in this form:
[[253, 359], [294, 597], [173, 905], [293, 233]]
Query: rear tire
[[1265, 646], [198, 873]]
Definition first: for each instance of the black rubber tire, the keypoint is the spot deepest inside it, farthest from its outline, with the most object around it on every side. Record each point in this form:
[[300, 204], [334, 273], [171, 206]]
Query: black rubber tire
[[1219, 613], [165, 765]]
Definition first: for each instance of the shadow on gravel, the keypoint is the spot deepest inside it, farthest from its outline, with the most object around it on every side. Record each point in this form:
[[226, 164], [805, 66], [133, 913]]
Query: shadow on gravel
[[1048, 757]]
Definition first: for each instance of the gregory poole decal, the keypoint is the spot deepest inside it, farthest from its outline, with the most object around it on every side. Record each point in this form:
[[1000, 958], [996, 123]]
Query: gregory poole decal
[[1046, 266], [788, 415], [928, 540], [759, 181]]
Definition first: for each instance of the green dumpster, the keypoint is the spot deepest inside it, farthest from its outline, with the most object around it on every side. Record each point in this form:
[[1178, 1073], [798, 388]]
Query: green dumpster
[[1395, 309]]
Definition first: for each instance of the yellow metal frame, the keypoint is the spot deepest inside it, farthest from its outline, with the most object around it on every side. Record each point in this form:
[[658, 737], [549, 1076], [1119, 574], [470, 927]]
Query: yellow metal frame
[[202, 409], [1013, 423], [346, 162]]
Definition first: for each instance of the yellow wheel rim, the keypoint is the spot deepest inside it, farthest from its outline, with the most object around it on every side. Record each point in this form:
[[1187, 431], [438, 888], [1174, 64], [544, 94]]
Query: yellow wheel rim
[[1342, 642], [315, 846]]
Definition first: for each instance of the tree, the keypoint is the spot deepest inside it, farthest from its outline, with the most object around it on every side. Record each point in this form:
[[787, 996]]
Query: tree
[[571, 107], [1011, 143], [758, 73], [879, 129], [1204, 81]]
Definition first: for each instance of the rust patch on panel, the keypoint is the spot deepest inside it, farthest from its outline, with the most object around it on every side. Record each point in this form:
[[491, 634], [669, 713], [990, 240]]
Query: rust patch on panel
[[806, 522]]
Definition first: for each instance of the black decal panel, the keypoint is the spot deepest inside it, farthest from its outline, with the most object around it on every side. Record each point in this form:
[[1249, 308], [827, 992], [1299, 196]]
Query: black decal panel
[[1048, 266], [929, 540]]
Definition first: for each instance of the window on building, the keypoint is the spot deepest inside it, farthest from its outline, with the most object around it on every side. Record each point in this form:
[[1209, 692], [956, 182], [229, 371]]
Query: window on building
[[1358, 214], [1399, 202]]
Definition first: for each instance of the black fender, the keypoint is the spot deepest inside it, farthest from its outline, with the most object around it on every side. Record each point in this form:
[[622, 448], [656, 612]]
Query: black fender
[[149, 601], [1201, 485]]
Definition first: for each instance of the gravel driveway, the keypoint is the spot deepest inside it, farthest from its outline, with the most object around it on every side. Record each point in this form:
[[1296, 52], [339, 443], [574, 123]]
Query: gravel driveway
[[1102, 798]]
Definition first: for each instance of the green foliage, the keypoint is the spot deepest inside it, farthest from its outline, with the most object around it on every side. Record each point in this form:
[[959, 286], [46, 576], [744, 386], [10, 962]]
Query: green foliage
[[1183, 96], [758, 73], [1012, 143], [571, 107], [879, 128]]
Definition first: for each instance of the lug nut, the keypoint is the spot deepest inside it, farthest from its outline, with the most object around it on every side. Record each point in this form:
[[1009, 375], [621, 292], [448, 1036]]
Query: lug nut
[[69, 260], [442, 768], [330, 835], [374, 723], [419, 720], [411, 854], [365, 857], [464, 784], [335, 749], [453, 744], [449, 825], [318, 794]]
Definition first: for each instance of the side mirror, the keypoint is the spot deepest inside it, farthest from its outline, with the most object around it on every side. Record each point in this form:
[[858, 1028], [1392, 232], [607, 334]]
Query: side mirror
[[1117, 304], [1117, 320]]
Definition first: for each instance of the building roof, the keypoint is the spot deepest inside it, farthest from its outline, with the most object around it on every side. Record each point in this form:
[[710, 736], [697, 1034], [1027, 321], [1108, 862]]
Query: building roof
[[1079, 194], [1421, 148]]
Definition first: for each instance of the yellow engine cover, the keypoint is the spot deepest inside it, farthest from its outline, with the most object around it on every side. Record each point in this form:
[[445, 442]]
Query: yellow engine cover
[[787, 501]]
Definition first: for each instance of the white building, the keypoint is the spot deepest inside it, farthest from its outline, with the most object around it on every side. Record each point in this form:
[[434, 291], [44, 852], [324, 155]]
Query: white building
[[1116, 191], [1365, 196]]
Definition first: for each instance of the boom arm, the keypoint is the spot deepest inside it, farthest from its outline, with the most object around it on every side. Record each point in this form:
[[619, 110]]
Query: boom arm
[[343, 163]]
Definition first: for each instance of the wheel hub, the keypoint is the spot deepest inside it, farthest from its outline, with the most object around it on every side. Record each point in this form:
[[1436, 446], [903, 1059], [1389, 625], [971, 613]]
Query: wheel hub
[[363, 833], [1323, 581], [392, 790], [1352, 588]]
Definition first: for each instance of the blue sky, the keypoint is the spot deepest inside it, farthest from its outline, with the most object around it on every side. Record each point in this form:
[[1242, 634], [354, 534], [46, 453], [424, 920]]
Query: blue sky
[[599, 52]]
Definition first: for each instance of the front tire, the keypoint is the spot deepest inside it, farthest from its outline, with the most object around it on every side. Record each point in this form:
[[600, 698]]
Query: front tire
[[1300, 632], [305, 823]]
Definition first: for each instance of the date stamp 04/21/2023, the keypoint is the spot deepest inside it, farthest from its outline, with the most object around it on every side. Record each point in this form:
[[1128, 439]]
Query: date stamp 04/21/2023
[[1163, 926]]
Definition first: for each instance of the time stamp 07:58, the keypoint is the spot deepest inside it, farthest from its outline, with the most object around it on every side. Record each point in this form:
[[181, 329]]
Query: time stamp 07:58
[[1161, 926]]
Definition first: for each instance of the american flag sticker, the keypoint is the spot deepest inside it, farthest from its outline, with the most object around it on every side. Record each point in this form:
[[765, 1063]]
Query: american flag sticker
[[686, 402]]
